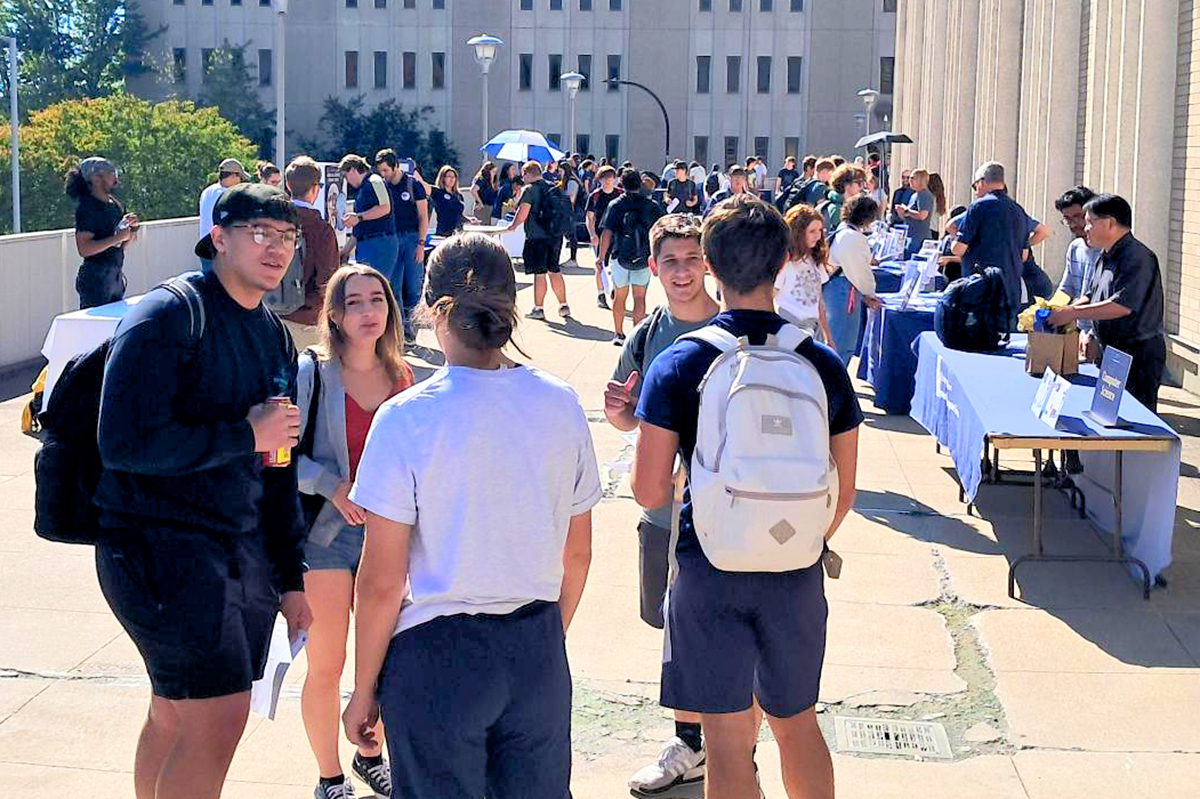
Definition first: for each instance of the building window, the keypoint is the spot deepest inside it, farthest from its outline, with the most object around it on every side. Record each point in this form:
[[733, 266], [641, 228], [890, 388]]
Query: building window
[[239, 2], [351, 69], [439, 70], [179, 2], [585, 5], [797, 5], [795, 62], [614, 5], [381, 3], [764, 74], [408, 67], [410, 3], [762, 147], [700, 150], [703, 73], [555, 72], [205, 63], [733, 74], [527, 5], [706, 5], [206, 2], [735, 5], [439, 4], [612, 146], [887, 74], [766, 5], [585, 69], [791, 147], [555, 139], [525, 72], [264, 67], [583, 143], [556, 5], [180, 74], [614, 71], [380, 69], [351, 3], [889, 6], [731, 150]]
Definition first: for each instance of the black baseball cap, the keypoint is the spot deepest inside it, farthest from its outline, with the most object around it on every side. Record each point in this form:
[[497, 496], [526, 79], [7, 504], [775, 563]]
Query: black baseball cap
[[244, 202]]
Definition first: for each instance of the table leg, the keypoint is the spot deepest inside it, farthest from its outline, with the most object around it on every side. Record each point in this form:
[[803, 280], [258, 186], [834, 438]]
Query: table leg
[[1037, 502], [1118, 511]]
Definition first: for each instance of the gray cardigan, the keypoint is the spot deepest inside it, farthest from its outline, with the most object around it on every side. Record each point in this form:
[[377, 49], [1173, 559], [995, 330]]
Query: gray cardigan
[[329, 464]]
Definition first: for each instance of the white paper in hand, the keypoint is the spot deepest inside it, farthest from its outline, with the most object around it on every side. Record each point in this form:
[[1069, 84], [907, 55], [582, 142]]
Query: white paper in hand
[[264, 693], [673, 205]]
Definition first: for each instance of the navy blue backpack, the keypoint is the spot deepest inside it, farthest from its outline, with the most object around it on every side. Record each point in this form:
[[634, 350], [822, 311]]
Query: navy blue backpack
[[973, 313]]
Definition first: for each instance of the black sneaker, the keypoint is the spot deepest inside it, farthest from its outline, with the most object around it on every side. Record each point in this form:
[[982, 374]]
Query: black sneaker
[[602, 301], [618, 339], [327, 790], [376, 775]]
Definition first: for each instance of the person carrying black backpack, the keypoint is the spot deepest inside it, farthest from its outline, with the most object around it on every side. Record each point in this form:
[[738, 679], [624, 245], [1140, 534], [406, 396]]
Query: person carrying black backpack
[[625, 230], [540, 210], [200, 526]]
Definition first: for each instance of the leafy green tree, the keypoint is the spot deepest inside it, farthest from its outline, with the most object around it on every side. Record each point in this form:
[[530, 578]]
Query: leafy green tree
[[73, 49], [350, 127], [167, 153], [233, 91]]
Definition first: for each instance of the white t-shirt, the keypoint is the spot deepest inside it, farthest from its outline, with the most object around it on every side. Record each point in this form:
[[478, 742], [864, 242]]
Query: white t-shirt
[[799, 286], [489, 466], [851, 252], [208, 199], [760, 169], [698, 175]]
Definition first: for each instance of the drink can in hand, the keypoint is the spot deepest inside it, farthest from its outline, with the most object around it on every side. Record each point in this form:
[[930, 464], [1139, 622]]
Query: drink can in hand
[[282, 456]]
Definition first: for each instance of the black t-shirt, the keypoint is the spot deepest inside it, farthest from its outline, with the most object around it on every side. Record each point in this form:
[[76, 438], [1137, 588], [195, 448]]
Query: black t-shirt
[[683, 191], [786, 177], [405, 196], [533, 196], [1128, 274], [101, 220], [486, 192], [177, 450], [598, 203], [629, 219]]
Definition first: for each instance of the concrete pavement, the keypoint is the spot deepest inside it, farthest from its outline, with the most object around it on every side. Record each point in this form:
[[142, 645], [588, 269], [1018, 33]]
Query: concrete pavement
[[1078, 689]]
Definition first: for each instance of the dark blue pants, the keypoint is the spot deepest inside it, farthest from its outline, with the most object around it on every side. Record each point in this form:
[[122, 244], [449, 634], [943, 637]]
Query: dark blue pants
[[479, 706]]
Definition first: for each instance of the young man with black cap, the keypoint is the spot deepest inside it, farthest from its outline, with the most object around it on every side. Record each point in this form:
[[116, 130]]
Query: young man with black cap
[[201, 541]]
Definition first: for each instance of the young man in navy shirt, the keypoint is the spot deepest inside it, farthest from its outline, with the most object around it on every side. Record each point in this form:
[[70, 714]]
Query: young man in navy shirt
[[732, 637]]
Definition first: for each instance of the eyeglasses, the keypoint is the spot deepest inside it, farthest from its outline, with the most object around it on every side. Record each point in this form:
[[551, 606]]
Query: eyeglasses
[[265, 235]]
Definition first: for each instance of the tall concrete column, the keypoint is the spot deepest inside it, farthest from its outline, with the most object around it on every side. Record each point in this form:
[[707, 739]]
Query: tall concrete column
[[962, 101], [933, 87], [911, 57]]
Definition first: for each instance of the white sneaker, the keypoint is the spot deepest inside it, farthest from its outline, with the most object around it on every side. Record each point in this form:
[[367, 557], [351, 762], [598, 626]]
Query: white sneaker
[[677, 765]]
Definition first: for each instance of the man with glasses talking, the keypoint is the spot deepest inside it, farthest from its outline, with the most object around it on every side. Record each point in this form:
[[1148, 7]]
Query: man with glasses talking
[[201, 527]]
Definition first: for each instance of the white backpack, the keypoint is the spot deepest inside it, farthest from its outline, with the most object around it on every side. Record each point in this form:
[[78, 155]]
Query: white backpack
[[763, 485]]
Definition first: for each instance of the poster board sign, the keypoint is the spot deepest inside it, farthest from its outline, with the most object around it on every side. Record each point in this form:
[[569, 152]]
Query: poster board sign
[[1110, 388], [1051, 394]]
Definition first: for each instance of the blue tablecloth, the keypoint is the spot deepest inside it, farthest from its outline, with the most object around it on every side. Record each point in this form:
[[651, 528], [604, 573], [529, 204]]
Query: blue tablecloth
[[890, 274], [886, 359], [961, 397]]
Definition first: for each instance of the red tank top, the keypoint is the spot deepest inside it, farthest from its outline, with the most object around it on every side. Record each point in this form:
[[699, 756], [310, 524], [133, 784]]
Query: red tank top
[[358, 422]]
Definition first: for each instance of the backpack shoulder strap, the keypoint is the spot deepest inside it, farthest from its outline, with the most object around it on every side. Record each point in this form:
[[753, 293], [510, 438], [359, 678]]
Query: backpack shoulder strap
[[715, 336], [310, 425], [185, 290], [790, 337], [643, 335]]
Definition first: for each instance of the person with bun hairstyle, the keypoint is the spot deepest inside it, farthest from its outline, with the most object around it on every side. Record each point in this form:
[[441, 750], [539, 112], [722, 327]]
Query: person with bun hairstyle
[[360, 367], [270, 174], [102, 231], [478, 486]]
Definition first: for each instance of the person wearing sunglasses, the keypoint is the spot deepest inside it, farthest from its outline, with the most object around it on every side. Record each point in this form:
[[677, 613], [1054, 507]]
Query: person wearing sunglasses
[[202, 535]]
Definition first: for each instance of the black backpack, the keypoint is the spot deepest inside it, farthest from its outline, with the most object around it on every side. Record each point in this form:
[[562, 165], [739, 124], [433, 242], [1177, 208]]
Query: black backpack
[[973, 313], [67, 466], [712, 184], [633, 245], [553, 214], [793, 195]]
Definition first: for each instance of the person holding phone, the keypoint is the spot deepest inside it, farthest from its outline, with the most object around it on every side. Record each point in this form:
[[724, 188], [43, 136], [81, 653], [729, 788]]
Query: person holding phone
[[102, 231]]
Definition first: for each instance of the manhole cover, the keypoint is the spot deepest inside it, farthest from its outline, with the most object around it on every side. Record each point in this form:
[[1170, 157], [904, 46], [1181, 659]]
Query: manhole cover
[[879, 737]]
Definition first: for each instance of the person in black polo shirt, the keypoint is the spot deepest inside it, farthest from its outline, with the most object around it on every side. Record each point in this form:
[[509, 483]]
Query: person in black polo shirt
[[1125, 301], [201, 543], [410, 216], [102, 232]]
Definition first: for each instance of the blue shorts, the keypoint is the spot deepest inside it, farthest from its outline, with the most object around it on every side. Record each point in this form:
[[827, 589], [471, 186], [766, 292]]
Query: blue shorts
[[344, 551], [732, 637], [623, 276], [479, 706]]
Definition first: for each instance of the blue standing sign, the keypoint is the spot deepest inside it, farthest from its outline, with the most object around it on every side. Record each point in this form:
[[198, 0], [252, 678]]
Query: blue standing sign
[[1110, 387]]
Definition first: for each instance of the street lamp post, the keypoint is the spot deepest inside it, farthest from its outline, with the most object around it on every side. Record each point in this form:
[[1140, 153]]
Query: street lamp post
[[280, 78], [572, 80], [661, 107], [485, 53], [869, 96], [15, 150]]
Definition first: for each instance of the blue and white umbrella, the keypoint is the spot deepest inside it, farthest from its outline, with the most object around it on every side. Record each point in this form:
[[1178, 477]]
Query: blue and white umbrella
[[521, 145]]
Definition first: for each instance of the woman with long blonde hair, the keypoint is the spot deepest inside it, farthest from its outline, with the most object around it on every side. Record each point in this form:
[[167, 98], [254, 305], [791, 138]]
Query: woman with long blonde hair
[[798, 286], [357, 367]]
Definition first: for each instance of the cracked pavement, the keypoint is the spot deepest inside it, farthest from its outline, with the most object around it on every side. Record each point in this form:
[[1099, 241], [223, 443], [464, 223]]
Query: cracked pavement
[[1076, 689]]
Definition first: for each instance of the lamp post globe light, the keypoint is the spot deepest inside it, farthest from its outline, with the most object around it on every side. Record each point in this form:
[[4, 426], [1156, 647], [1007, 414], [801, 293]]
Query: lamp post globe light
[[869, 96], [485, 53], [572, 80], [280, 78]]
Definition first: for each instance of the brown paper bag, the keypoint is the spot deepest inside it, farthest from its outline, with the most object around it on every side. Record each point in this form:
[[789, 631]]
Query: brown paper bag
[[1059, 351]]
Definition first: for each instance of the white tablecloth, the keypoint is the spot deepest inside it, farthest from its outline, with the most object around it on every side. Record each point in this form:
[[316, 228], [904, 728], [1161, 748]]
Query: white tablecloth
[[77, 332], [514, 243]]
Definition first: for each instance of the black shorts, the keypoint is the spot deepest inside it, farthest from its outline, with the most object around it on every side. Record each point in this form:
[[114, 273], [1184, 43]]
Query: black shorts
[[99, 285], [654, 542], [199, 609], [541, 256]]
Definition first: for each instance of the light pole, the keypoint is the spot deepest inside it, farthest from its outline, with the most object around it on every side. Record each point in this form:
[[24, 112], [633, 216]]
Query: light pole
[[661, 107], [280, 77], [572, 80], [485, 53], [15, 150], [869, 96]]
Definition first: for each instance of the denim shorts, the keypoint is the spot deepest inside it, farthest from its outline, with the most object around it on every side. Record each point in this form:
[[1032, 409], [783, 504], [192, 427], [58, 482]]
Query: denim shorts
[[344, 551]]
